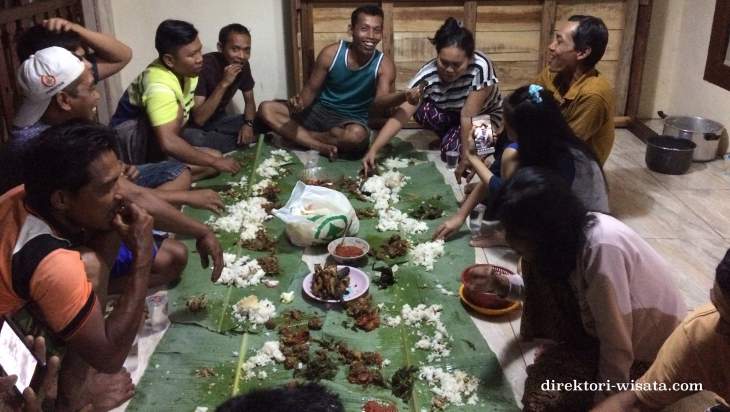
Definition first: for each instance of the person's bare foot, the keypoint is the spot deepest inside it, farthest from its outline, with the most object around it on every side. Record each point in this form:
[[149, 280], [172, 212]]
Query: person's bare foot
[[489, 239], [106, 391]]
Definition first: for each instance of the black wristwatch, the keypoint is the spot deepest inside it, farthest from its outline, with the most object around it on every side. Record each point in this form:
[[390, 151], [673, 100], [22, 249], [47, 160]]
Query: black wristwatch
[[248, 123]]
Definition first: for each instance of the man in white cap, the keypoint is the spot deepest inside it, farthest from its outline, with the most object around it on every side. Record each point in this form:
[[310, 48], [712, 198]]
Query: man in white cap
[[48, 74], [58, 87]]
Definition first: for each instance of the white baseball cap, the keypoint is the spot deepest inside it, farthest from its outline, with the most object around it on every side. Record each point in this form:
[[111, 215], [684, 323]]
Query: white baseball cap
[[42, 76]]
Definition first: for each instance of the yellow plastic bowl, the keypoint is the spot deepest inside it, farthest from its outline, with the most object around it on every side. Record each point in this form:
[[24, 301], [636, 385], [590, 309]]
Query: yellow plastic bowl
[[486, 311]]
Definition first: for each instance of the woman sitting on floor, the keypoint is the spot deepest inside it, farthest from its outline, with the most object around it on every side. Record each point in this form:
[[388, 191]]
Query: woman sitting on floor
[[542, 138], [589, 283], [446, 93]]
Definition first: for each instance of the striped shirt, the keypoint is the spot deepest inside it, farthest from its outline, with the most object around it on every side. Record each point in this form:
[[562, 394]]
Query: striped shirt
[[452, 96]]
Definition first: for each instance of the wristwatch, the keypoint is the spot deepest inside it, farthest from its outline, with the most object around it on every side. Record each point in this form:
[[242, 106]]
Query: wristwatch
[[248, 123]]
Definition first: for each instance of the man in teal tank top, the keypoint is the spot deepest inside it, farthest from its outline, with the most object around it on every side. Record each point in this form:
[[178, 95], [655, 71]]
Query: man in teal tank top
[[349, 80]]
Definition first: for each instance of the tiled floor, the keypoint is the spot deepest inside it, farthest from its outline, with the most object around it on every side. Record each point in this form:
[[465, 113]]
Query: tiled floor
[[685, 218]]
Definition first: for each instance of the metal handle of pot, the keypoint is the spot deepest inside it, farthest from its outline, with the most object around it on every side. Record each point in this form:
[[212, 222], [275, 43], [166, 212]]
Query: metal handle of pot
[[712, 136]]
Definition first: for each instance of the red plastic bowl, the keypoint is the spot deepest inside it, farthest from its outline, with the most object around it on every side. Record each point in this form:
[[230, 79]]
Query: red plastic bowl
[[484, 299]]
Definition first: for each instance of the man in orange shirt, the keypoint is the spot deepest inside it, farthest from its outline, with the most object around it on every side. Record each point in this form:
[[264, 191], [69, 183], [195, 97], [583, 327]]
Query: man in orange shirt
[[60, 232], [585, 95], [697, 352]]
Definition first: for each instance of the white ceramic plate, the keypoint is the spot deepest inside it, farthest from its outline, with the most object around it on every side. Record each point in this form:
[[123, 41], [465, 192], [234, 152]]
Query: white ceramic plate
[[359, 284]]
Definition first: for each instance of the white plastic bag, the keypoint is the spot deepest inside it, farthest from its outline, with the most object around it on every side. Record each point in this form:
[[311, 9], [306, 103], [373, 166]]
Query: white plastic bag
[[316, 215]]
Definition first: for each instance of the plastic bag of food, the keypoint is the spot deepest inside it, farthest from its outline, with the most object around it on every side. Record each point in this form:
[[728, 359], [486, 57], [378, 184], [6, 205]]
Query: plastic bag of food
[[316, 215]]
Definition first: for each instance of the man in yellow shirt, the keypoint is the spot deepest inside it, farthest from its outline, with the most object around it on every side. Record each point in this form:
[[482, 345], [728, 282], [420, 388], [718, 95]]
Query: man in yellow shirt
[[155, 107], [585, 95], [696, 353]]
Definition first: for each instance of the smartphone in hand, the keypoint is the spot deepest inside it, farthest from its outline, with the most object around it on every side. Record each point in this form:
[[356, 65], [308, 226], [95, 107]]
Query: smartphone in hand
[[16, 358], [484, 138]]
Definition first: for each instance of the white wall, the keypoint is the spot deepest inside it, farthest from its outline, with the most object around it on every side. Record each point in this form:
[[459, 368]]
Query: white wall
[[675, 63], [135, 22]]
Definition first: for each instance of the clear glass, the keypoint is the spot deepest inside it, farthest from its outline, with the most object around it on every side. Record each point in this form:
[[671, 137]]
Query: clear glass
[[452, 159], [311, 159], [475, 218]]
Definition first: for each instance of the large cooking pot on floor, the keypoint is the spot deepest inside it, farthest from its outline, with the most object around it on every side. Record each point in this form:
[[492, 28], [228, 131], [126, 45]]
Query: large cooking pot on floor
[[704, 133], [669, 155]]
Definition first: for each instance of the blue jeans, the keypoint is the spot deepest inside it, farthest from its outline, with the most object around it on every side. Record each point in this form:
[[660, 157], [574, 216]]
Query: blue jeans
[[155, 174]]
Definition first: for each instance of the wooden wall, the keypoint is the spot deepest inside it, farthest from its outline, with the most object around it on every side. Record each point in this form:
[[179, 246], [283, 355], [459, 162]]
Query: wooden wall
[[513, 33]]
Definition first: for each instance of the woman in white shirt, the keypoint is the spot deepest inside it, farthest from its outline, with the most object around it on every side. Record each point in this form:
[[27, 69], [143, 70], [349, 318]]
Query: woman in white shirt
[[587, 277]]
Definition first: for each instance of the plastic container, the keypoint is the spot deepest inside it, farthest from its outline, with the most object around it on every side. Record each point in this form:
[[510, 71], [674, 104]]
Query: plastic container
[[485, 299]]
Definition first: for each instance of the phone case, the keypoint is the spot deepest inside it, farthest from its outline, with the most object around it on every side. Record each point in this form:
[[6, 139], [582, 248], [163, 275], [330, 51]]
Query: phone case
[[34, 378], [483, 135]]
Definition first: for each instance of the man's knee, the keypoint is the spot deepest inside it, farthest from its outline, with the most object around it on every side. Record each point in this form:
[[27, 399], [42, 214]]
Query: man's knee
[[354, 143], [171, 259], [178, 252], [185, 179], [266, 109], [355, 134]]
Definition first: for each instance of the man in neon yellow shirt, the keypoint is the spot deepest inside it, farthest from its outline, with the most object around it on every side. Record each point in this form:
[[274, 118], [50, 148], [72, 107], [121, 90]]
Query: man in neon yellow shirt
[[154, 109]]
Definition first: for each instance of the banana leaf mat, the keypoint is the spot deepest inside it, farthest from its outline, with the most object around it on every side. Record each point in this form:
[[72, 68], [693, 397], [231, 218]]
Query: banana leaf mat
[[198, 362]]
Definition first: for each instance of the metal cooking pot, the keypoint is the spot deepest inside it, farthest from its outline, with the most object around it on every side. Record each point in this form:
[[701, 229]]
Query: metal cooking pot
[[705, 133], [669, 155]]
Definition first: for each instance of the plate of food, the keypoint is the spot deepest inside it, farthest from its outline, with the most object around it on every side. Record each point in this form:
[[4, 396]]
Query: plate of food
[[335, 284], [485, 302]]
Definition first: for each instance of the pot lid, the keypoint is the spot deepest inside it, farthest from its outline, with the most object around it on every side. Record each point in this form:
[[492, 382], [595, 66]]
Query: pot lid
[[694, 124]]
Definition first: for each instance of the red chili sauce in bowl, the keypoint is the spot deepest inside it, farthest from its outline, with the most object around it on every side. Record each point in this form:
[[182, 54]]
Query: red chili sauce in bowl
[[348, 251]]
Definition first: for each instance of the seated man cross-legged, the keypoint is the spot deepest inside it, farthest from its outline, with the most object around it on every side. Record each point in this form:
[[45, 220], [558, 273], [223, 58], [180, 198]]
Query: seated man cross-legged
[[154, 109], [349, 80], [224, 72]]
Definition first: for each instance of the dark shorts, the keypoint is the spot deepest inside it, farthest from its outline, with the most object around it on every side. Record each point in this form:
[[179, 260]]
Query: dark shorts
[[318, 118], [220, 132], [123, 262], [137, 142], [155, 174]]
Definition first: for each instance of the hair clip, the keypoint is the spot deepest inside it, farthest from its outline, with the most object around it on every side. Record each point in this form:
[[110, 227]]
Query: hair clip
[[460, 23], [534, 91]]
